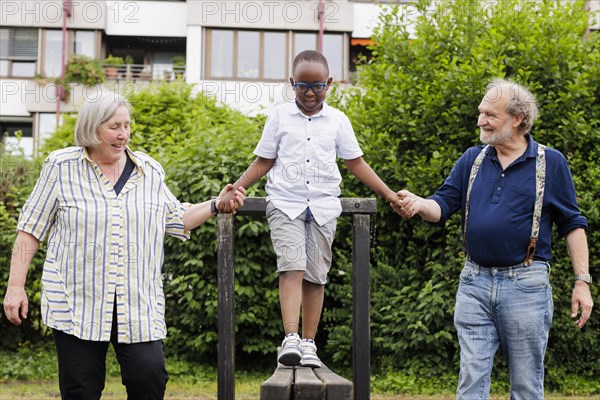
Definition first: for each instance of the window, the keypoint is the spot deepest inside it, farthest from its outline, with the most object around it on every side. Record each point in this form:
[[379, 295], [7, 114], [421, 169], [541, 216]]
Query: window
[[248, 54], [84, 44], [274, 56], [18, 51], [221, 62], [16, 138], [52, 53], [266, 55]]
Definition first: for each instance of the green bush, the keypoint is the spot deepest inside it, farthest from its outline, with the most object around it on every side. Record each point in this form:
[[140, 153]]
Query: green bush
[[415, 112]]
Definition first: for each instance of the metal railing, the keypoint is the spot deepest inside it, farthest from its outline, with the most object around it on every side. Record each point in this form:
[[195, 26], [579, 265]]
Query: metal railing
[[144, 72]]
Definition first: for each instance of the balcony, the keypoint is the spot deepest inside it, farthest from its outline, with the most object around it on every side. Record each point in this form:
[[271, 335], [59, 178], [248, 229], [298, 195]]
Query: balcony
[[144, 72]]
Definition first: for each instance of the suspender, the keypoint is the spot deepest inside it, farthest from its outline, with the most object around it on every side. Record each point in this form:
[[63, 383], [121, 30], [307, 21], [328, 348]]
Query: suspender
[[540, 181]]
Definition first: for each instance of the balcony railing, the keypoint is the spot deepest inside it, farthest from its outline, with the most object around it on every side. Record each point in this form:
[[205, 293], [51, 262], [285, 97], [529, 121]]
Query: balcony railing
[[144, 72]]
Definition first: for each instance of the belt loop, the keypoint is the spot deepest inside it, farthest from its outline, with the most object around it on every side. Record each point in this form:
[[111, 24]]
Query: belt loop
[[510, 271], [475, 268]]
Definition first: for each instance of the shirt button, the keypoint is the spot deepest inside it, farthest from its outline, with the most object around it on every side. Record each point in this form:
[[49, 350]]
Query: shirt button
[[307, 199], [502, 175], [307, 182], [310, 119], [308, 139], [498, 189], [307, 160]]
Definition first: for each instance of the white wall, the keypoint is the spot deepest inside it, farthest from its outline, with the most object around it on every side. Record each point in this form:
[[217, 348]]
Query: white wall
[[251, 98], [13, 97], [86, 14], [146, 18], [285, 15]]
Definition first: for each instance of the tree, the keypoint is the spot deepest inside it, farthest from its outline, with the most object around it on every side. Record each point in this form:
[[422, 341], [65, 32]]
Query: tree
[[415, 112]]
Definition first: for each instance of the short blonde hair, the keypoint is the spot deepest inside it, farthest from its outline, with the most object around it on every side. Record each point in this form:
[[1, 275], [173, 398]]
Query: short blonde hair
[[95, 112], [520, 101]]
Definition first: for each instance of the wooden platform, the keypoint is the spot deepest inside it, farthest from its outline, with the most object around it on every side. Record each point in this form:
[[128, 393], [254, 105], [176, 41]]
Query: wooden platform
[[303, 383]]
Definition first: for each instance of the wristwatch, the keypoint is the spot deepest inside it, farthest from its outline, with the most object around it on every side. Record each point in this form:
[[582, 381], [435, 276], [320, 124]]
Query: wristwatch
[[213, 207], [584, 277]]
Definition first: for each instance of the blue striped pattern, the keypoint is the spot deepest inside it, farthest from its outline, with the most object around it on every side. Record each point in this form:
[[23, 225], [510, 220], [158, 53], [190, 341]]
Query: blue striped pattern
[[101, 245]]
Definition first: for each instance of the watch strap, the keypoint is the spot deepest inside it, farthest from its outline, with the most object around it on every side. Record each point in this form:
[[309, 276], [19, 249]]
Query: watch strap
[[213, 207], [584, 277]]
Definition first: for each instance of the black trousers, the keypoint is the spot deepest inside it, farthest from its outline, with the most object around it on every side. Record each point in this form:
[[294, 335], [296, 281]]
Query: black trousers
[[82, 367]]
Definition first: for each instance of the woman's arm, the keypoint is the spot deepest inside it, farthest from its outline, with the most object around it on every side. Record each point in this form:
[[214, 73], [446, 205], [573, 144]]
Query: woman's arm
[[197, 214], [16, 304]]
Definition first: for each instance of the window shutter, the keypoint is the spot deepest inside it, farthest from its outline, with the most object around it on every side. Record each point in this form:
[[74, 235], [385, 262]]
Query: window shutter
[[19, 44]]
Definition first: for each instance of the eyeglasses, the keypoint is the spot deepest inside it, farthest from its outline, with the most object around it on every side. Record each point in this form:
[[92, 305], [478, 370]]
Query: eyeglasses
[[317, 87]]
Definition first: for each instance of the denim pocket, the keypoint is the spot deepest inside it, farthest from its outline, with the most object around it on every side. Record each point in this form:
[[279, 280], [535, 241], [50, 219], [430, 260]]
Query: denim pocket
[[532, 280], [467, 274]]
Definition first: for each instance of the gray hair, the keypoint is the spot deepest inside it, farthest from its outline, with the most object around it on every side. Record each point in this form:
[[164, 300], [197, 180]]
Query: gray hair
[[95, 112], [520, 101]]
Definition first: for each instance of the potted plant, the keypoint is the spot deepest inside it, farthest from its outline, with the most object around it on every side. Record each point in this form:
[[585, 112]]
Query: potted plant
[[178, 65], [112, 64], [82, 69]]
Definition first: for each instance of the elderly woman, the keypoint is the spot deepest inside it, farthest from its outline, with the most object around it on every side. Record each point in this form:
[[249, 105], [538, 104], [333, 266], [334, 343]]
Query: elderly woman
[[105, 210]]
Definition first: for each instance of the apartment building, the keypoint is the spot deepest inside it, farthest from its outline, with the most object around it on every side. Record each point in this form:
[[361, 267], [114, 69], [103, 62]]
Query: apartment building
[[239, 51]]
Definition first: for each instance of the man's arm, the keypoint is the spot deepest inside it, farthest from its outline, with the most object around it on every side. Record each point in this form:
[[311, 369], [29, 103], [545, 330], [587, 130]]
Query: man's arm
[[259, 168], [359, 168], [581, 298], [16, 304], [411, 205]]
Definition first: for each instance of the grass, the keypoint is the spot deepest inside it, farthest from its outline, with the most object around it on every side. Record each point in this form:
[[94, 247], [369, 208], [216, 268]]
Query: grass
[[180, 388], [31, 374]]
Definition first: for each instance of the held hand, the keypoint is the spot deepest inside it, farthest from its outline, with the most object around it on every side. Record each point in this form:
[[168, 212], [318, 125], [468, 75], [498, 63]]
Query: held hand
[[230, 200], [408, 205], [16, 304], [581, 299]]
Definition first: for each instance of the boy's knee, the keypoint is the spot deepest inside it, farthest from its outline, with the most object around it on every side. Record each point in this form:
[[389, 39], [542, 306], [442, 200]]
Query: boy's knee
[[295, 275]]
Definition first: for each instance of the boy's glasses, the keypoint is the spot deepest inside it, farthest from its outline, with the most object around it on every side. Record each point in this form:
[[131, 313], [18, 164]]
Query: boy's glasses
[[317, 87]]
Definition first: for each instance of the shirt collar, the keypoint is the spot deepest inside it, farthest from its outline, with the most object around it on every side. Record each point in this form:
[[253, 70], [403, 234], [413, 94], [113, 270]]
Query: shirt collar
[[530, 152], [323, 113], [84, 155]]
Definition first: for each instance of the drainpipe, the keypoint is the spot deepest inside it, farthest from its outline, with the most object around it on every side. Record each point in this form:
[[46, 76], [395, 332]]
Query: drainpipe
[[321, 25], [67, 7]]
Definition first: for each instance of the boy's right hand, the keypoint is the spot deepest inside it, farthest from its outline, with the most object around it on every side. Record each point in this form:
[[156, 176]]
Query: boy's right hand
[[409, 204]]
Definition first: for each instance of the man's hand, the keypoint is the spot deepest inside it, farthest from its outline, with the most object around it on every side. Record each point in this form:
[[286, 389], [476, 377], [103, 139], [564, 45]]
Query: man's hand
[[229, 200], [16, 304], [409, 204], [581, 299]]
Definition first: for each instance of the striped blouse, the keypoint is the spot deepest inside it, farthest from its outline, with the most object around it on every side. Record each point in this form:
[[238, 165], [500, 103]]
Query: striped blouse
[[102, 246]]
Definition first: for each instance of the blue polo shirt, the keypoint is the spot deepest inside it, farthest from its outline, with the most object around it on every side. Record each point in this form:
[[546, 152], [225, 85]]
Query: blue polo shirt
[[502, 201]]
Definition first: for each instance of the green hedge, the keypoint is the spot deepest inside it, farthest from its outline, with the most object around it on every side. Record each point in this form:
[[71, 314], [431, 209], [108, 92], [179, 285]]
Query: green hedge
[[414, 112]]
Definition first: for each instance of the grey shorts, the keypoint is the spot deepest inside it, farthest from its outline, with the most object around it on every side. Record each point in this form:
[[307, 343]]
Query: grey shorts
[[301, 244]]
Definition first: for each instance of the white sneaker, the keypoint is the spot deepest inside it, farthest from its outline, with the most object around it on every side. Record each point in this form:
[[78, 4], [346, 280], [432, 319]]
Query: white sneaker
[[309, 354], [290, 353]]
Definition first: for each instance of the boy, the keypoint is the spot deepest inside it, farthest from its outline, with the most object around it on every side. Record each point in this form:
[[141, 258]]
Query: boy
[[299, 145]]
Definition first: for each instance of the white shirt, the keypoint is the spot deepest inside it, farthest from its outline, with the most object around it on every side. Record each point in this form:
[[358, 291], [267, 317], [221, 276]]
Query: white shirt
[[305, 173], [101, 244]]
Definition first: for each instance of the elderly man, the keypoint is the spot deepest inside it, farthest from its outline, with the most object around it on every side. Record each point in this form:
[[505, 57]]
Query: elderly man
[[510, 191]]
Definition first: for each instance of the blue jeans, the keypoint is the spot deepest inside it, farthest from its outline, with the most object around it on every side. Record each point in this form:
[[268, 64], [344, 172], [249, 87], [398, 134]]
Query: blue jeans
[[511, 308]]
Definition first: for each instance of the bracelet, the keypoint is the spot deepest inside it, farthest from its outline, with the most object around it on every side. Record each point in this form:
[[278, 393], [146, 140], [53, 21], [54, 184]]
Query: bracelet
[[213, 207]]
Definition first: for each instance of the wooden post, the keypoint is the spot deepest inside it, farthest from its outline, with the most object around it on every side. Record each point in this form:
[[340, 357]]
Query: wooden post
[[360, 211], [361, 300], [226, 287]]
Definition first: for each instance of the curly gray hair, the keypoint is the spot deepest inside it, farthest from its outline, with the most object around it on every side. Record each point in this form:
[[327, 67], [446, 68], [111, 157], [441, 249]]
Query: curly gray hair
[[520, 101]]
